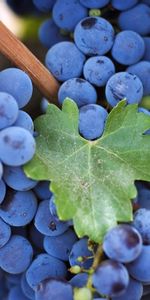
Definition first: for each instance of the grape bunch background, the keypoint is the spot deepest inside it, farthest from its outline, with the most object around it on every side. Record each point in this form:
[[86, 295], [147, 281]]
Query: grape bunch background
[[99, 51]]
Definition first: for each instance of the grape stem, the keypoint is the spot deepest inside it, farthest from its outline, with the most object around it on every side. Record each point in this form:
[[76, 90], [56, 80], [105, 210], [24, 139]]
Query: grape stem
[[97, 260], [97, 257], [21, 56]]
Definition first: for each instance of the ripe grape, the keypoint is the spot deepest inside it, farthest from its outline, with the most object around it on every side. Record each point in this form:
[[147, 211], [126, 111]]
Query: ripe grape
[[123, 5], [19, 255], [17, 146], [111, 278], [142, 70], [134, 291], [92, 118], [8, 110], [139, 269], [142, 223], [65, 61], [2, 190], [46, 223], [122, 243], [16, 83], [123, 85], [94, 36], [128, 48], [54, 289], [49, 34], [44, 5], [79, 90], [43, 267], [98, 69], [66, 14], [94, 3], [19, 208], [25, 121], [16, 179], [136, 19], [60, 246], [80, 249], [27, 290]]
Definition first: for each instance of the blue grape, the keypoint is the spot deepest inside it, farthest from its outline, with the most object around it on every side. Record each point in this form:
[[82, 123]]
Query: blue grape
[[128, 47], [17, 179], [60, 246], [123, 5], [52, 208], [18, 208], [22, 7], [49, 34], [25, 121], [80, 249], [134, 291], [147, 49], [8, 110], [111, 278], [65, 61], [97, 70], [17, 146], [42, 190], [79, 280], [19, 255], [44, 5], [94, 3], [142, 223], [66, 14], [43, 267], [27, 290], [46, 223], [139, 268], [94, 36], [146, 2], [144, 110], [123, 85], [16, 294], [13, 279], [92, 118], [2, 190], [5, 233], [1, 170], [36, 237], [54, 289], [142, 70], [79, 90], [143, 197], [16, 83], [122, 243], [44, 105], [136, 19], [147, 112]]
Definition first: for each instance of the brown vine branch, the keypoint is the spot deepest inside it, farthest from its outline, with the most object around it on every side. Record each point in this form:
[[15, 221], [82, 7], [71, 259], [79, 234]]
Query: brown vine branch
[[22, 57]]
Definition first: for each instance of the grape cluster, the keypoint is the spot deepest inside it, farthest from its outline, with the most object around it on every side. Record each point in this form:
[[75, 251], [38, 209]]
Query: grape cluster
[[105, 61], [98, 61], [99, 51]]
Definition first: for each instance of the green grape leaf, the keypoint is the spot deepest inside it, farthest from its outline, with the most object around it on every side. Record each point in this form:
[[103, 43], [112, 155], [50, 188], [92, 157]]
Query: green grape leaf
[[93, 181]]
